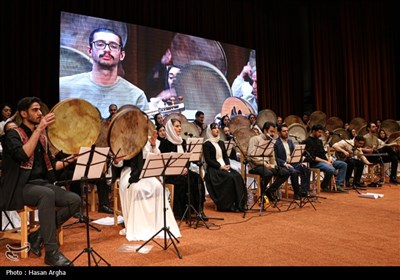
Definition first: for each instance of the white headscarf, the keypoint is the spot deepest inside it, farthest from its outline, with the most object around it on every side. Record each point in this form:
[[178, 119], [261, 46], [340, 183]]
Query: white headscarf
[[210, 137], [171, 134]]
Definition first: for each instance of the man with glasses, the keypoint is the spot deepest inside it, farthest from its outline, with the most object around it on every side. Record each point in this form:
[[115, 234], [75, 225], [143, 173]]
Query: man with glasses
[[102, 86]]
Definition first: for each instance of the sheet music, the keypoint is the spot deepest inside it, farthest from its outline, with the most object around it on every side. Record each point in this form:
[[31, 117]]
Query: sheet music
[[195, 146], [264, 148], [156, 163], [96, 167], [297, 153]]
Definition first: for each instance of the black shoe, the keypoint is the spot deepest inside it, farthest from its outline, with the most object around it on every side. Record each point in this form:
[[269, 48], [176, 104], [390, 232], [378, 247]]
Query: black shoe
[[105, 209], [360, 186], [35, 240], [56, 258], [394, 181]]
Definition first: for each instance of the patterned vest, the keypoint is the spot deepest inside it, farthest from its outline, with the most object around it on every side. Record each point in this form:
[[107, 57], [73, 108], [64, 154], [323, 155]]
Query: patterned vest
[[43, 140]]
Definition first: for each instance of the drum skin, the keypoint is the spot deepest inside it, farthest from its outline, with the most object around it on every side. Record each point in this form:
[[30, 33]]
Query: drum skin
[[237, 122], [128, 133], [177, 116], [264, 116], [189, 128], [242, 136], [77, 124], [299, 130]]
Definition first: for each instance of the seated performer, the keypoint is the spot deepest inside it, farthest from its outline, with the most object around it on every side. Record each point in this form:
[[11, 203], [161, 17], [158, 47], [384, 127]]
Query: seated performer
[[175, 143], [266, 166], [28, 176], [142, 199], [372, 145], [225, 185], [318, 158], [351, 152], [283, 150]]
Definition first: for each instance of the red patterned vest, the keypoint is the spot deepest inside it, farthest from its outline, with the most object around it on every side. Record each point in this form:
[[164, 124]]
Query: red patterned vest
[[43, 140]]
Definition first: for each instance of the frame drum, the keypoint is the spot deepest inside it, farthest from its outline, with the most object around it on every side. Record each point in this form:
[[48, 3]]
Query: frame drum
[[362, 130], [333, 123], [299, 130], [390, 126], [77, 125], [291, 119], [317, 117], [264, 116], [177, 116], [203, 88], [357, 123], [237, 122], [127, 133], [243, 136], [189, 128], [343, 135]]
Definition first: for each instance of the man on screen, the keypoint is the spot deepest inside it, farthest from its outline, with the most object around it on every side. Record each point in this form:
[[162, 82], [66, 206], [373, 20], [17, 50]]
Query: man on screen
[[102, 86]]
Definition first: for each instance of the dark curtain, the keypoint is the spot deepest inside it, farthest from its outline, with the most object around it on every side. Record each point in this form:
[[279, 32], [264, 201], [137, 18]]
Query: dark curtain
[[336, 56], [353, 59]]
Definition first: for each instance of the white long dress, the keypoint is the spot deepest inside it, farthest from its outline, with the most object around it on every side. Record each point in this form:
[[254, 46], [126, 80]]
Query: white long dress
[[142, 208]]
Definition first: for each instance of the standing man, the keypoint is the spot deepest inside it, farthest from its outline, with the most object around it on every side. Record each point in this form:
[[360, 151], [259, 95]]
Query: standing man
[[315, 149], [28, 173], [102, 86], [266, 166], [284, 148]]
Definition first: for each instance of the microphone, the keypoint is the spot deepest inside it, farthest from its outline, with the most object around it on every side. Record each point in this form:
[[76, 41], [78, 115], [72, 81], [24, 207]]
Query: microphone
[[230, 137], [188, 134], [269, 136]]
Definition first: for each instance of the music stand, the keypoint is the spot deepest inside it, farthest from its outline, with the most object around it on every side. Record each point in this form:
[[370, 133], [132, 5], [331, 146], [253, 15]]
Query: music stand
[[94, 174], [264, 149], [96, 159], [297, 157], [164, 165]]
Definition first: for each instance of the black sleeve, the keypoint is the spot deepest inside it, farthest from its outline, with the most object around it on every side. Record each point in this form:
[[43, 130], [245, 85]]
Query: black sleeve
[[136, 168]]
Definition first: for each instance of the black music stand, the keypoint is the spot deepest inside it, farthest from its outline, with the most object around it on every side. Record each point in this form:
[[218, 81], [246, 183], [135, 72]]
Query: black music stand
[[80, 167], [297, 157], [164, 165], [264, 149], [88, 171]]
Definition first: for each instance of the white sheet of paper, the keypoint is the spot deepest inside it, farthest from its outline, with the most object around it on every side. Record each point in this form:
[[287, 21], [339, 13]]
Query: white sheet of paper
[[260, 149], [155, 164], [97, 165], [297, 153], [196, 148]]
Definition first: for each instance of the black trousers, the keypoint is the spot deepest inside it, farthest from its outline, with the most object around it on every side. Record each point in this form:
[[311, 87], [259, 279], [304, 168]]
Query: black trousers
[[46, 197], [357, 166], [391, 157], [266, 174]]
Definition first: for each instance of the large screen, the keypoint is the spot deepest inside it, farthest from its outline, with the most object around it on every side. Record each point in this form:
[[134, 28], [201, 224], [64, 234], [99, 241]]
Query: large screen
[[177, 72]]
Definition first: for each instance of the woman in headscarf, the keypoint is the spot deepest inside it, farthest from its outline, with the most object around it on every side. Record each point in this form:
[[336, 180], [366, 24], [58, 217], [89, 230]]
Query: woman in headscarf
[[225, 185], [182, 183], [142, 199]]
